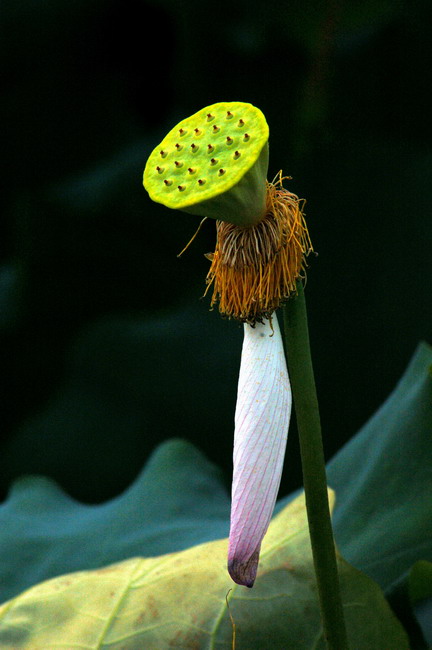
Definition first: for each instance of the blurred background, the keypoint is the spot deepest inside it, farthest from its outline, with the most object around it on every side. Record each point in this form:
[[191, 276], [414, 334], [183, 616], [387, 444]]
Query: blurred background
[[106, 348]]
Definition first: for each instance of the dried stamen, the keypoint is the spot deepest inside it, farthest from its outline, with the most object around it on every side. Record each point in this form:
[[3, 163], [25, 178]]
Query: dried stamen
[[255, 269]]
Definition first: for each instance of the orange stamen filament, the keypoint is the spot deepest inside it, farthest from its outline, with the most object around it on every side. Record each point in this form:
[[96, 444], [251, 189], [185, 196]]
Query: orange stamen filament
[[255, 269]]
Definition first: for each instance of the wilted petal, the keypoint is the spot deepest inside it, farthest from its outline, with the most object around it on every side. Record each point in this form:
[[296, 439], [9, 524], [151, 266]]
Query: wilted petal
[[261, 428]]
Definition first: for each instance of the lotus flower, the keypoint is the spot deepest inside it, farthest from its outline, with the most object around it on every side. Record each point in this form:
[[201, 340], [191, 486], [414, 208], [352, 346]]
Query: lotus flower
[[214, 164], [261, 428]]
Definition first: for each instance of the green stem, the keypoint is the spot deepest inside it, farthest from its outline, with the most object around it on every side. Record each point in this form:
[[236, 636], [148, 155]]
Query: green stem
[[314, 473]]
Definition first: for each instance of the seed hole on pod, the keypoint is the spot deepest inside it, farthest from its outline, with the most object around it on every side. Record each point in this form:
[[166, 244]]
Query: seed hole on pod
[[246, 137], [181, 188], [167, 182], [229, 115], [237, 154], [178, 146], [194, 147], [213, 161], [160, 170], [241, 122], [216, 129], [221, 172], [178, 164], [210, 117], [163, 153], [229, 140], [210, 148], [201, 181], [191, 170], [182, 131]]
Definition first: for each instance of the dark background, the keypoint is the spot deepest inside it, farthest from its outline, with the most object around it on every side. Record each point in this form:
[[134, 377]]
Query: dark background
[[105, 347]]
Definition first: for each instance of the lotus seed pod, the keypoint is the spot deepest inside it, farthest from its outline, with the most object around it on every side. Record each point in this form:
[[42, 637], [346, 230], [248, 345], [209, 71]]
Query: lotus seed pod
[[213, 164]]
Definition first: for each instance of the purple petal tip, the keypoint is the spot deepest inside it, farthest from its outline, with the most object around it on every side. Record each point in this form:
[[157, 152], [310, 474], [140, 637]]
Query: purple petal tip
[[244, 573]]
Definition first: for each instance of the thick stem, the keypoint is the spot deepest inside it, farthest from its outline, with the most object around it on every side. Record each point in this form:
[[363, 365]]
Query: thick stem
[[314, 474]]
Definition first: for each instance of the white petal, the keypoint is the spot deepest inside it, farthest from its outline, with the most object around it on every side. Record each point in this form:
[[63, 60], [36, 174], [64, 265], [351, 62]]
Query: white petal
[[261, 427]]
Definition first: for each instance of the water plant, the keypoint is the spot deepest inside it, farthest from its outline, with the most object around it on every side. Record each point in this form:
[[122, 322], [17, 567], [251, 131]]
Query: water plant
[[258, 264], [147, 568]]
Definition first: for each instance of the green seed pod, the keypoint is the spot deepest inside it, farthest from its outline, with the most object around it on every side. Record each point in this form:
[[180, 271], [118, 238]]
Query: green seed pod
[[213, 164]]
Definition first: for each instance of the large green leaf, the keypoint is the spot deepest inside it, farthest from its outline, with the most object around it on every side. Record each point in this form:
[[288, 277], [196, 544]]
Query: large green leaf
[[179, 600], [178, 500], [383, 481]]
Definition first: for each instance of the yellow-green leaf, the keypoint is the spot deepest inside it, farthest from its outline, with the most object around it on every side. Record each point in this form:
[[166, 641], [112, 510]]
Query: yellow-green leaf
[[180, 600]]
